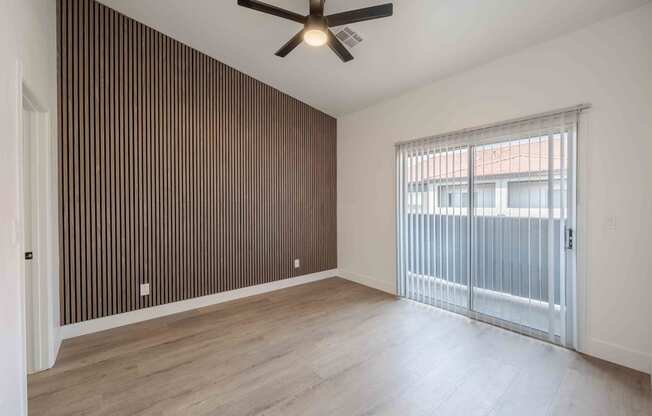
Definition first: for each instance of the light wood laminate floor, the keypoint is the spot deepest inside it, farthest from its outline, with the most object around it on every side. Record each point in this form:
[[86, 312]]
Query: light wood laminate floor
[[328, 348]]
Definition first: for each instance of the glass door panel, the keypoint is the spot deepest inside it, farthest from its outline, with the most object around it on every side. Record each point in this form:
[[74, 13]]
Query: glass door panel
[[518, 247], [435, 226]]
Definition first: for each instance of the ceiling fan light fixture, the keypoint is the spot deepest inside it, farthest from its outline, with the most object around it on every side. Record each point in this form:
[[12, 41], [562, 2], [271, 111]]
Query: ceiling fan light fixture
[[316, 26], [315, 37]]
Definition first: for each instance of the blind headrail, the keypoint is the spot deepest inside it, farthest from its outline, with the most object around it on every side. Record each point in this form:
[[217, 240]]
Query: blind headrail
[[577, 108]]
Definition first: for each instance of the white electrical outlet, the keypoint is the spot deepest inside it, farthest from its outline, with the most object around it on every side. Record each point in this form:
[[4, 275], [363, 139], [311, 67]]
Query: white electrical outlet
[[297, 263], [144, 289]]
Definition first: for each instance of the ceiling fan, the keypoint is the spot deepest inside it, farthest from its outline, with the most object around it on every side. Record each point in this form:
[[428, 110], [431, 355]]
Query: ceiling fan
[[316, 25]]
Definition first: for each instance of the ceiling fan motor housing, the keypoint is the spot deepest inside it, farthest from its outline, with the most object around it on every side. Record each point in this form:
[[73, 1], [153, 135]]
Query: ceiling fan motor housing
[[316, 22]]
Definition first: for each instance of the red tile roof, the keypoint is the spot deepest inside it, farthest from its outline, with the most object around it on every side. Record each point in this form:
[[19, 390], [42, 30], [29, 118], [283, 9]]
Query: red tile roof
[[490, 160]]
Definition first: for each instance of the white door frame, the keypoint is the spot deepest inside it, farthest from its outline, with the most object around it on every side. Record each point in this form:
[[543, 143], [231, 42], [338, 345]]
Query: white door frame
[[44, 229]]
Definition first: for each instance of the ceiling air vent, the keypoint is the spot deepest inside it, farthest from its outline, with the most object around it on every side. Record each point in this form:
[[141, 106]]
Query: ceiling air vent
[[348, 37]]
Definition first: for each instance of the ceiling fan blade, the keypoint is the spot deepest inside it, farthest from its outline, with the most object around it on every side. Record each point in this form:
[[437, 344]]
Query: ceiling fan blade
[[317, 7], [360, 15], [269, 9], [339, 49], [290, 45]]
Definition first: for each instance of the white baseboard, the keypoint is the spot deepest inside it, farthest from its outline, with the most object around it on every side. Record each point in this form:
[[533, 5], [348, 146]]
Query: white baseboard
[[114, 321], [368, 281], [617, 354], [613, 353]]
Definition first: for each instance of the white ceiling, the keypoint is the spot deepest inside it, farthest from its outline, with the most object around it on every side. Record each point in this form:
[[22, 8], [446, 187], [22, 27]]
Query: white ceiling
[[424, 41]]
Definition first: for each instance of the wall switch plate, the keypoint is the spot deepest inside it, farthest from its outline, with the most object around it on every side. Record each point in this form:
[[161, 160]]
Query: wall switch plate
[[144, 289], [297, 263]]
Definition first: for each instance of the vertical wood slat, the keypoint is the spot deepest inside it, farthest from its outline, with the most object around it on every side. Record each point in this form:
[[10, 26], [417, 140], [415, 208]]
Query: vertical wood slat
[[179, 171]]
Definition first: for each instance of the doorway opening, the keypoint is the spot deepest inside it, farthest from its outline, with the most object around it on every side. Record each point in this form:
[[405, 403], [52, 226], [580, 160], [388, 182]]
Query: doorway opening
[[38, 235]]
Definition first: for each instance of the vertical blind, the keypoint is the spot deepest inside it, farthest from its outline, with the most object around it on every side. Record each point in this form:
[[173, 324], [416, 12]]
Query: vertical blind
[[484, 218]]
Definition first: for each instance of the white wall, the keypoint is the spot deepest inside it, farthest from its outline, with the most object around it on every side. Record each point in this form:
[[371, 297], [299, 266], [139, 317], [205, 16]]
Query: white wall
[[609, 65], [27, 33]]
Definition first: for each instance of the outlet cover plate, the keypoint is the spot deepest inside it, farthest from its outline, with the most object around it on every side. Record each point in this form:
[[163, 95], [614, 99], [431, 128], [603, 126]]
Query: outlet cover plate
[[144, 289]]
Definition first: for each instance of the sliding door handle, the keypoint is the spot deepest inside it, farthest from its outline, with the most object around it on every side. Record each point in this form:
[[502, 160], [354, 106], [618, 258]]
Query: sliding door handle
[[569, 238]]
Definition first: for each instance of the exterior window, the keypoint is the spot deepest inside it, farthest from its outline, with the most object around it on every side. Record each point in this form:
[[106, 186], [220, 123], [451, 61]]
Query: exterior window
[[457, 196], [418, 198], [532, 194]]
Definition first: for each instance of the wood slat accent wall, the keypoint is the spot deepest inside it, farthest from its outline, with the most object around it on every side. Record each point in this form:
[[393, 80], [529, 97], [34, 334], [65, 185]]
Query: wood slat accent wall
[[180, 171]]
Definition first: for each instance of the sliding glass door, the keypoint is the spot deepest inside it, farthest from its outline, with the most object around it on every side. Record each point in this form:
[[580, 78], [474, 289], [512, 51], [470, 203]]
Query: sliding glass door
[[485, 224]]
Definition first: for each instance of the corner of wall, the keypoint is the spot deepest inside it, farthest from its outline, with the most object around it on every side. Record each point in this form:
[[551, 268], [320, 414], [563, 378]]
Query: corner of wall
[[55, 347], [368, 281]]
